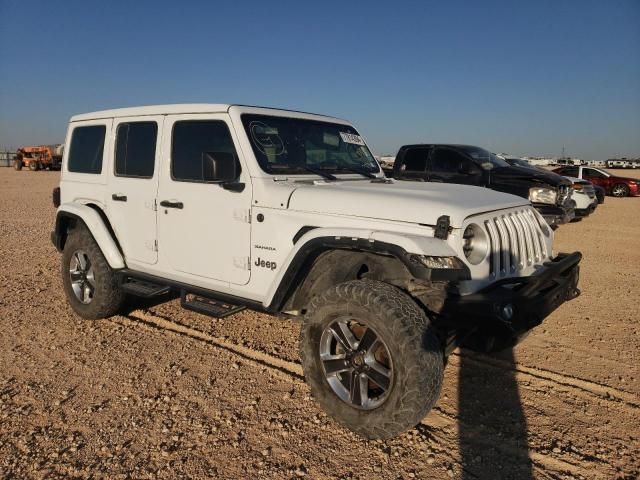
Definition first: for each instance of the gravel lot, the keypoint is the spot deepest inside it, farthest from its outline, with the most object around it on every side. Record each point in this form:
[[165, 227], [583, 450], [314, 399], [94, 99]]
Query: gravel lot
[[166, 393]]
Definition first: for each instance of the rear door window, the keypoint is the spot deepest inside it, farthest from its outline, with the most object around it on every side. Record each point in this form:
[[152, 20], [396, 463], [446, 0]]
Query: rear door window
[[136, 149], [87, 147]]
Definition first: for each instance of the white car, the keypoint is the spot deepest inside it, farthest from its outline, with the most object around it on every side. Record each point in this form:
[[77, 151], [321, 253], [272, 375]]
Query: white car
[[289, 213], [584, 195]]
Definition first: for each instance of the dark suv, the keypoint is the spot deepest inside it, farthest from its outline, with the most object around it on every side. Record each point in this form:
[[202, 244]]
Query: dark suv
[[549, 193]]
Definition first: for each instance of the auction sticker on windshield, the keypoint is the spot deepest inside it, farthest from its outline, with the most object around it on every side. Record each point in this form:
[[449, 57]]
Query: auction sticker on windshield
[[351, 138]]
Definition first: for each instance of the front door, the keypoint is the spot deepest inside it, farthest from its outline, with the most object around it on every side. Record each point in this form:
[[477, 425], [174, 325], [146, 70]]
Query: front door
[[450, 166], [203, 228], [595, 177], [133, 178]]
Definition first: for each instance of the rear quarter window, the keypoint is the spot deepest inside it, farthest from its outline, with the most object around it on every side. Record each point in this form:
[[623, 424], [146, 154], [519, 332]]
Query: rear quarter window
[[87, 147]]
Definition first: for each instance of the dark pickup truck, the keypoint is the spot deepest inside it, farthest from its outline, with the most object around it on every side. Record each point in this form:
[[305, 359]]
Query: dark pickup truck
[[549, 193]]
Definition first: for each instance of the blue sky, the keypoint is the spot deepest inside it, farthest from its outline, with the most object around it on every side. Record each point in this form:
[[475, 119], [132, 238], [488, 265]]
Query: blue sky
[[515, 76]]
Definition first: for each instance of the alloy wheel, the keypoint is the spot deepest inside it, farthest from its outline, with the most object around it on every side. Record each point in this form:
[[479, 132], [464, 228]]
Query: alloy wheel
[[619, 191], [82, 277], [356, 363]]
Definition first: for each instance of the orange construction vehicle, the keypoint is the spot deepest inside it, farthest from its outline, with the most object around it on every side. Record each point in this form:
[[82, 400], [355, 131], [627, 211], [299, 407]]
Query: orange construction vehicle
[[43, 157]]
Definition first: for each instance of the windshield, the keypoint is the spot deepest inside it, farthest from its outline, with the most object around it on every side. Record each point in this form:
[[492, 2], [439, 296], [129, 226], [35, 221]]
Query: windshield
[[518, 162], [293, 145], [484, 158]]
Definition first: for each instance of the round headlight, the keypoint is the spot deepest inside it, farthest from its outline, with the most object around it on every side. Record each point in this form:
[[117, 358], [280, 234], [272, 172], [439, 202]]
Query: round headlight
[[474, 244]]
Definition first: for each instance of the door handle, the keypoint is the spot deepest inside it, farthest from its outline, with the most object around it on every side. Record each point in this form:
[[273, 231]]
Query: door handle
[[116, 197], [170, 204]]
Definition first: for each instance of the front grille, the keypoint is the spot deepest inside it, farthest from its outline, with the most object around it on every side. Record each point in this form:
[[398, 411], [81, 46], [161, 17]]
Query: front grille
[[516, 242]]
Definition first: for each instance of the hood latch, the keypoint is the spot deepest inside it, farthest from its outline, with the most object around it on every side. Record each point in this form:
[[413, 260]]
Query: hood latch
[[442, 227]]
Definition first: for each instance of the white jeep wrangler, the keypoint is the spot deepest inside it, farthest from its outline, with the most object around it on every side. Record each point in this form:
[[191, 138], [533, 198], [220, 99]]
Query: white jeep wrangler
[[289, 213]]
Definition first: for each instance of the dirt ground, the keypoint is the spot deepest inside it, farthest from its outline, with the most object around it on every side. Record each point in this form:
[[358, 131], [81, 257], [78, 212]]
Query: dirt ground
[[166, 393]]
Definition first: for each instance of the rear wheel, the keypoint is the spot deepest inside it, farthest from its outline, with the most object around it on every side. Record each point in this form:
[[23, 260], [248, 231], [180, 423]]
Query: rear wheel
[[371, 357], [33, 165], [17, 164], [620, 190], [90, 284]]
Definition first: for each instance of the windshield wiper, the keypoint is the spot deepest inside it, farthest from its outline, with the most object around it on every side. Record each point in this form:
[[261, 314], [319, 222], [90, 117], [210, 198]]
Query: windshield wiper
[[364, 173], [318, 171]]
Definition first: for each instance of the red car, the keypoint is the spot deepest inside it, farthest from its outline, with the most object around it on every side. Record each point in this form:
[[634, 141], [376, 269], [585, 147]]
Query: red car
[[613, 185]]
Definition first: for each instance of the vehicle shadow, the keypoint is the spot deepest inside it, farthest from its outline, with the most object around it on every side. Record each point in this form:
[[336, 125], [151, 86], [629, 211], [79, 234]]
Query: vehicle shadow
[[493, 436]]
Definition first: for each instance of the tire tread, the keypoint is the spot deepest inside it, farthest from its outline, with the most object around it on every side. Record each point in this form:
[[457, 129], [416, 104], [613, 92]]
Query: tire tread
[[419, 344], [108, 297]]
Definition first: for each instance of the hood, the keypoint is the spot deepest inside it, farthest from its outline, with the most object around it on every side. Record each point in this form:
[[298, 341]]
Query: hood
[[415, 202], [531, 175]]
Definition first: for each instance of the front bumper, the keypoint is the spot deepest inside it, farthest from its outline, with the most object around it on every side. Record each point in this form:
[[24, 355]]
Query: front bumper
[[516, 305], [554, 214]]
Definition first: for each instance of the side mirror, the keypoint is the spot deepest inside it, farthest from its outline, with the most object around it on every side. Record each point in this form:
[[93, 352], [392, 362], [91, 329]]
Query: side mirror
[[219, 167]]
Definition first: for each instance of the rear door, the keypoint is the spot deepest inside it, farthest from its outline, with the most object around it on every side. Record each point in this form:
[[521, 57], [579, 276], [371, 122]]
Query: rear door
[[133, 182], [450, 166]]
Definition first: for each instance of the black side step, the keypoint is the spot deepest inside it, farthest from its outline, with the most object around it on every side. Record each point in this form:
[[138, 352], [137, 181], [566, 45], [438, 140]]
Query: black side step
[[208, 306], [143, 288]]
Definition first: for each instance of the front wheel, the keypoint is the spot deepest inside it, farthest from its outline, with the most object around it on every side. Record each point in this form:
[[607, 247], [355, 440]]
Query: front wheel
[[620, 190], [90, 284], [371, 357], [17, 164]]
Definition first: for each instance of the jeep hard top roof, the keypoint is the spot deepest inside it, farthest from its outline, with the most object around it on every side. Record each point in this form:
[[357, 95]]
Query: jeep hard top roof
[[185, 108]]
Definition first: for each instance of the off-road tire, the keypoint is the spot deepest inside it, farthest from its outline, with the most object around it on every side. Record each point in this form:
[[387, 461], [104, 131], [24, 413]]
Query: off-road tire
[[108, 298], [620, 190], [33, 166], [17, 164], [416, 352]]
